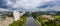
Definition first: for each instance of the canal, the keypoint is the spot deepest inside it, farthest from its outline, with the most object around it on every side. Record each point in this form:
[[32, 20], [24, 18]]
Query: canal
[[31, 22]]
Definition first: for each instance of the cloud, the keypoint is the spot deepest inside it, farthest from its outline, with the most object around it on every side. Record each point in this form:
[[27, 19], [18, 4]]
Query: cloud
[[29, 4], [3, 4], [50, 6], [32, 5], [2, 9]]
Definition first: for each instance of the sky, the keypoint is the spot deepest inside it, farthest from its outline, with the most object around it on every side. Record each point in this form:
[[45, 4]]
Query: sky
[[30, 5]]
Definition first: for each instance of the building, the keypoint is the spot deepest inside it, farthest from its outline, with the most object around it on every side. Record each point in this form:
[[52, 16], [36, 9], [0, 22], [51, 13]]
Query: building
[[17, 15]]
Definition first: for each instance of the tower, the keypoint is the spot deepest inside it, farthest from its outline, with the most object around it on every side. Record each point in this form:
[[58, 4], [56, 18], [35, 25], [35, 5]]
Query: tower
[[16, 15]]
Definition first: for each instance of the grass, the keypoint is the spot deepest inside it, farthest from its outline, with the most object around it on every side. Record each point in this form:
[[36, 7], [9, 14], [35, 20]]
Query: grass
[[57, 17]]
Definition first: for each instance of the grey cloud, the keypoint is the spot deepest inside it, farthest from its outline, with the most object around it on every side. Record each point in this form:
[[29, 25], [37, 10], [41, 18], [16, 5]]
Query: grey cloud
[[35, 5]]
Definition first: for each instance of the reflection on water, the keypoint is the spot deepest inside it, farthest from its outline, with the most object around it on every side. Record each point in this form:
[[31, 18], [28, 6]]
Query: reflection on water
[[31, 22]]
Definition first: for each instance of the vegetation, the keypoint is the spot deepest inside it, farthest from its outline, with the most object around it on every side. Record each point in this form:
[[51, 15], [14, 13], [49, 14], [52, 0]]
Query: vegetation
[[20, 22], [47, 22], [6, 15], [57, 17], [9, 15], [37, 16], [3, 17]]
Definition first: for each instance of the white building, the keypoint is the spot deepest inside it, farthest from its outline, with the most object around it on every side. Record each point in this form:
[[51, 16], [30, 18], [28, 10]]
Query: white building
[[17, 15]]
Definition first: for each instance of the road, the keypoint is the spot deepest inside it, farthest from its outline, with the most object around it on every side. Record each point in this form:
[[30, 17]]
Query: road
[[31, 22]]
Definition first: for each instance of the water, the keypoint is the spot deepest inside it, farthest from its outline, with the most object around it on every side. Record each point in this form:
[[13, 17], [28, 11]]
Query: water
[[31, 22]]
